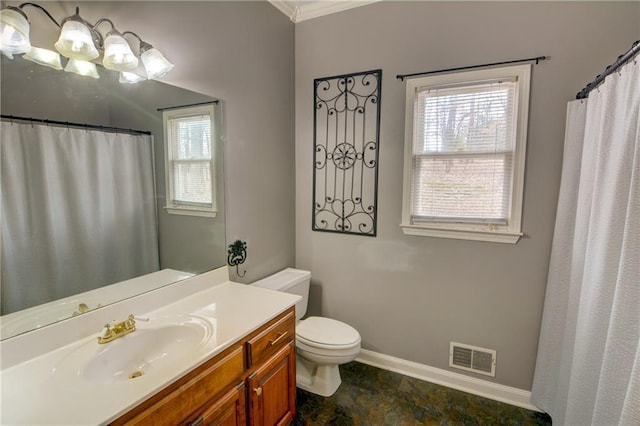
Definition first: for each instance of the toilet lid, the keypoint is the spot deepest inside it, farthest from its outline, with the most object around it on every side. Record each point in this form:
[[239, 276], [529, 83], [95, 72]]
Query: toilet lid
[[327, 331]]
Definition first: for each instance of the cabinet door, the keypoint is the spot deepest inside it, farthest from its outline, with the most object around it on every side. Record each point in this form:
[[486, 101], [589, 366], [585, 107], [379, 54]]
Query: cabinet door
[[229, 410], [272, 389]]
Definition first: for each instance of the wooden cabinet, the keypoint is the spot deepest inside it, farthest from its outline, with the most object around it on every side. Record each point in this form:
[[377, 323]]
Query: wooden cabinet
[[251, 382], [229, 410], [272, 389], [176, 403]]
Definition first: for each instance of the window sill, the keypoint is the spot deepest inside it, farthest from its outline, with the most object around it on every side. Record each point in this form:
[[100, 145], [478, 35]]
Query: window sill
[[190, 212], [462, 234]]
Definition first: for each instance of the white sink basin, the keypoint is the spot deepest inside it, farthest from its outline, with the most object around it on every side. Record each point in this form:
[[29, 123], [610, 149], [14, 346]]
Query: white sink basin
[[149, 349]]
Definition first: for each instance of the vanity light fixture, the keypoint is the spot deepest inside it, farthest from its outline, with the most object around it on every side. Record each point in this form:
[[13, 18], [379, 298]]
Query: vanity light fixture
[[80, 41]]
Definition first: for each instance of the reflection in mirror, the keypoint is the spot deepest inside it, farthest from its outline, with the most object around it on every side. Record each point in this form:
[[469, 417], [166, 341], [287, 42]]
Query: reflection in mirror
[[69, 194]]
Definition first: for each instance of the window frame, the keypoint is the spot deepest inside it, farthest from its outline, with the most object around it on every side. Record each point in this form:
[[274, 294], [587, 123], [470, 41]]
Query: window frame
[[188, 208], [465, 230]]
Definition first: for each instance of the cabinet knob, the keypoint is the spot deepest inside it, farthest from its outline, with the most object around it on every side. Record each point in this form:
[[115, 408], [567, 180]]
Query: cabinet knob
[[258, 391]]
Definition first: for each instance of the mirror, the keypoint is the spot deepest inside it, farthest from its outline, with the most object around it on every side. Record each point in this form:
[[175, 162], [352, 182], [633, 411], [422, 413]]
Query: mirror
[[186, 245]]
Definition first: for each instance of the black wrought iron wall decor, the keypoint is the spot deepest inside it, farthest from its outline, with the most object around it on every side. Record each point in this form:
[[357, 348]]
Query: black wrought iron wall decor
[[237, 254], [346, 138]]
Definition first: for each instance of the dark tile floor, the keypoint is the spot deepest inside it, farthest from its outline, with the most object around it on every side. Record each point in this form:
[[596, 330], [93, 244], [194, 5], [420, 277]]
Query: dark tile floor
[[371, 396]]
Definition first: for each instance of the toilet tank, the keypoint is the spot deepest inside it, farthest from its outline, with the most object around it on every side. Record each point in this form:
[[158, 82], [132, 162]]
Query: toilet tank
[[290, 280]]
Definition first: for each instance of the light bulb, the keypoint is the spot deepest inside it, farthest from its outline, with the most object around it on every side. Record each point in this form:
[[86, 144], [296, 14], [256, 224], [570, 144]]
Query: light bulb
[[84, 68], [117, 53], [45, 57], [129, 77], [14, 32], [75, 41], [155, 64]]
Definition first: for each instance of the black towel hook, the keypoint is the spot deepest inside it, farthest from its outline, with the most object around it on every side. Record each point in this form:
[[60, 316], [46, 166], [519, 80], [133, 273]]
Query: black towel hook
[[237, 254]]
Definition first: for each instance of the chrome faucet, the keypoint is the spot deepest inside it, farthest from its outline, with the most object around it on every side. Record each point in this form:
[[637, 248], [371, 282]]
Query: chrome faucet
[[117, 330]]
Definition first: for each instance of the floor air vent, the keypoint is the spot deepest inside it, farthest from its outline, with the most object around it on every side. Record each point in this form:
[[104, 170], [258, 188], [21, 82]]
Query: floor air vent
[[472, 358]]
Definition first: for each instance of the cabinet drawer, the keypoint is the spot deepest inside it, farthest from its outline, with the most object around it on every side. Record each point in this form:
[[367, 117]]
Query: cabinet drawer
[[228, 410], [177, 402], [271, 339]]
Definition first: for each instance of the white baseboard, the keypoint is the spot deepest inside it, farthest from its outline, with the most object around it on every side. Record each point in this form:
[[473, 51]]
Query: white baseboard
[[483, 388]]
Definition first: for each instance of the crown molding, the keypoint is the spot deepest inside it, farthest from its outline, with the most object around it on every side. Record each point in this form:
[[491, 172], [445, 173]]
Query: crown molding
[[299, 11], [286, 7]]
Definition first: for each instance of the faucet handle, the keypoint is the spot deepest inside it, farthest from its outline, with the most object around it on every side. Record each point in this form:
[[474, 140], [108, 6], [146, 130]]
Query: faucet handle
[[105, 330], [130, 322]]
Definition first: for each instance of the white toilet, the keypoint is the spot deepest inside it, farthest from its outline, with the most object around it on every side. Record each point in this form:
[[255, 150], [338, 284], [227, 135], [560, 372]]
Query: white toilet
[[321, 343]]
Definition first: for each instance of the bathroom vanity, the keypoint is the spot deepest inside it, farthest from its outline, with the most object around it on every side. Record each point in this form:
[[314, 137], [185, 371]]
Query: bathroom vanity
[[259, 368], [205, 351]]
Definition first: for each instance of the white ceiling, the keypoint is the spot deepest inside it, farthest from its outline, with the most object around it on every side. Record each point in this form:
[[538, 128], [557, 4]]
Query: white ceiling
[[300, 10]]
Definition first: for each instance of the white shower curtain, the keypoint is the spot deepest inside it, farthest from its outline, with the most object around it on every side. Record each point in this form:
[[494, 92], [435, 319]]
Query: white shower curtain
[[588, 365], [78, 211]]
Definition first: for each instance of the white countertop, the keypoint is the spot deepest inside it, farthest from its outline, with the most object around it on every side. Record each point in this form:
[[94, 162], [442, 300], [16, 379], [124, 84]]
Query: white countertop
[[42, 390]]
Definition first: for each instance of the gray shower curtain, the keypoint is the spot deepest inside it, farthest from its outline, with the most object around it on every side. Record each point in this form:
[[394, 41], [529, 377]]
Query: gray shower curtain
[[78, 211]]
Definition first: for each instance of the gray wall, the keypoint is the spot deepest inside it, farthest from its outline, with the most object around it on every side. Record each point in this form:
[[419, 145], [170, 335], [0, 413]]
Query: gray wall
[[186, 243], [409, 296], [241, 53]]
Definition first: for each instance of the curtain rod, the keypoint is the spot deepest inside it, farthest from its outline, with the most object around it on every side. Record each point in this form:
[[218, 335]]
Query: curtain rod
[[537, 59], [188, 105], [622, 59], [78, 125]]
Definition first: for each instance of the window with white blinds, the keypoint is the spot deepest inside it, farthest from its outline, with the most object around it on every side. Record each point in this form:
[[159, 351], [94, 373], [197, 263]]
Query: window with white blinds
[[464, 161], [190, 166]]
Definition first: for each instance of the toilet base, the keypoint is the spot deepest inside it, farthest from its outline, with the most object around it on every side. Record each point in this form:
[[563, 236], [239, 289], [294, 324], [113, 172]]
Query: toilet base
[[322, 380]]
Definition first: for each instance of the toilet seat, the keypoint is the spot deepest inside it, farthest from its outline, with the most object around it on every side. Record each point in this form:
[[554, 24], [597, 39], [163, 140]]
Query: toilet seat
[[330, 354], [326, 333]]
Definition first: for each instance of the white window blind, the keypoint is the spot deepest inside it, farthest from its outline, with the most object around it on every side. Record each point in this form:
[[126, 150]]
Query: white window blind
[[190, 160], [191, 149], [463, 155]]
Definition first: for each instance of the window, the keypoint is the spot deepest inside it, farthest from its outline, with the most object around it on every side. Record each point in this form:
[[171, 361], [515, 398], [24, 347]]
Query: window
[[190, 160], [465, 154]]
